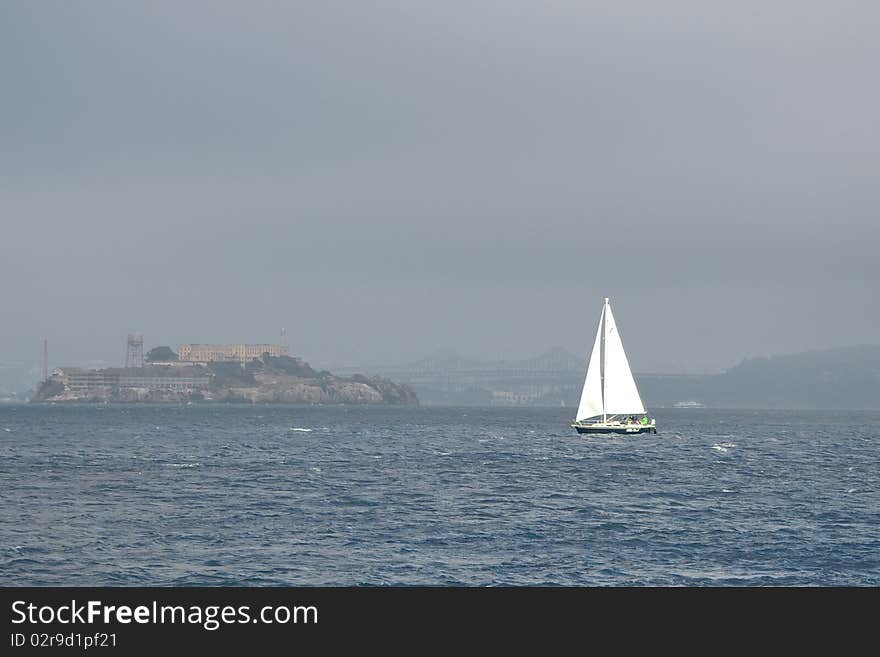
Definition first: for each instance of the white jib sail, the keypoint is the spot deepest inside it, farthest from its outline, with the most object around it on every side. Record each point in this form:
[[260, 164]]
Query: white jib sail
[[591, 397], [621, 395]]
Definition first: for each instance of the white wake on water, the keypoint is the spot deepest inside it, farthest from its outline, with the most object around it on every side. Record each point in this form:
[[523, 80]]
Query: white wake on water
[[298, 429], [723, 447]]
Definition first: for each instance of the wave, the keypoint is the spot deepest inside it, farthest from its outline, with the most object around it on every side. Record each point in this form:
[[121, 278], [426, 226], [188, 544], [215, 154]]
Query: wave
[[723, 447], [298, 429]]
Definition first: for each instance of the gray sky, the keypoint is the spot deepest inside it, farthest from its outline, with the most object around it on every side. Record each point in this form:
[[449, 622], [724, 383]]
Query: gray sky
[[385, 179]]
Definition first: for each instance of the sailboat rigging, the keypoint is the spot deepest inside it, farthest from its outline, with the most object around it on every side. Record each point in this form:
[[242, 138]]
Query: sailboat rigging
[[610, 400]]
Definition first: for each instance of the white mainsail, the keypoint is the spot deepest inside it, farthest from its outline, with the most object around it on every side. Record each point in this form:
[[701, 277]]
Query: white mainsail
[[591, 397], [609, 388], [621, 395]]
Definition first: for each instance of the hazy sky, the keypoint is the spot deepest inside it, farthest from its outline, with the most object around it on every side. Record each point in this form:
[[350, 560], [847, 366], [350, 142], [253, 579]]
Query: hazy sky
[[385, 179]]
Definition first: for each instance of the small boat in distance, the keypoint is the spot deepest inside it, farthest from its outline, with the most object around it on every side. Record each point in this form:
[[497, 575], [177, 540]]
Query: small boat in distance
[[690, 403], [610, 401]]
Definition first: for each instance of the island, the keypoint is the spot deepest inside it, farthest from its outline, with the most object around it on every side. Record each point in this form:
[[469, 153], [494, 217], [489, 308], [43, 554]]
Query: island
[[265, 379]]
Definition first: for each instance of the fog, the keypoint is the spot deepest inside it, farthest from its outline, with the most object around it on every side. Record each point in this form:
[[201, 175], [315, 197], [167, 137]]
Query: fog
[[386, 179]]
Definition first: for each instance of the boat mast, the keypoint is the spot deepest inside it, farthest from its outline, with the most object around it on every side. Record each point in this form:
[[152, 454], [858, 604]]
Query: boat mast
[[604, 356]]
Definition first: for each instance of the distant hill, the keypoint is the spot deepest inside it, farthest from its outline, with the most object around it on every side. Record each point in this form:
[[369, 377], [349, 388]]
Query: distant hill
[[845, 378]]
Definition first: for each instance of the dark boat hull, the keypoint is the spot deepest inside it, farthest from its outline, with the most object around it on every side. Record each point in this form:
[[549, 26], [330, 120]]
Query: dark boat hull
[[631, 429]]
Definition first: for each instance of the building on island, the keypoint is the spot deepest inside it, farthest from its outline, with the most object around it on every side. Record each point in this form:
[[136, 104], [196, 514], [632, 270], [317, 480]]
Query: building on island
[[238, 353], [80, 381]]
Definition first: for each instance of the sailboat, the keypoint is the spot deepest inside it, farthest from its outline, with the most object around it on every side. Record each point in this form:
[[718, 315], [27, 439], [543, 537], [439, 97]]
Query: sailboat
[[610, 401]]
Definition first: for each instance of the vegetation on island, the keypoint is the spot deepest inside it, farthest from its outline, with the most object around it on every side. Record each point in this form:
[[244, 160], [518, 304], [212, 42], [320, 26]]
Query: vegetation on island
[[160, 355]]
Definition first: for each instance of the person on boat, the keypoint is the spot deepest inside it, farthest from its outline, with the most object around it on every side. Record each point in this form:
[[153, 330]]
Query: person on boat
[[645, 420]]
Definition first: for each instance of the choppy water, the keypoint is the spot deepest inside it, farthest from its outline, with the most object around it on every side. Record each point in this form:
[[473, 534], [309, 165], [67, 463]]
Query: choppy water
[[243, 495]]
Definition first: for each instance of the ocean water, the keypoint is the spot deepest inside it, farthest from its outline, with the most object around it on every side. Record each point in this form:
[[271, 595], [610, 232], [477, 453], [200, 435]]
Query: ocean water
[[284, 495]]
